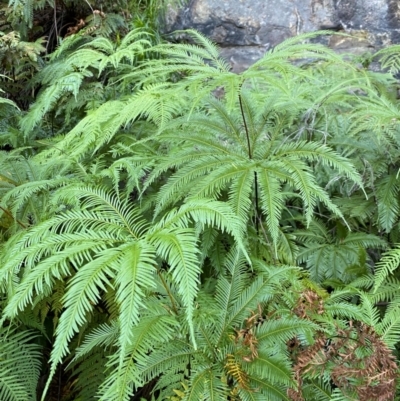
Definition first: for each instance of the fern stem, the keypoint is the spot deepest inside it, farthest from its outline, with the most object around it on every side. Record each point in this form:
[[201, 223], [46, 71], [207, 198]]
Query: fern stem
[[256, 200], [55, 21], [168, 292], [8, 213], [245, 128], [273, 253], [250, 157]]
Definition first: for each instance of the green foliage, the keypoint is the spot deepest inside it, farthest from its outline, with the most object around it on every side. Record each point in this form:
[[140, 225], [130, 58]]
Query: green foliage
[[21, 13], [20, 364], [336, 254], [72, 76], [219, 358], [19, 61], [172, 230]]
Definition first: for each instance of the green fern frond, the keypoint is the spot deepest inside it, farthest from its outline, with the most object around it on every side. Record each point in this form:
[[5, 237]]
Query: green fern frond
[[317, 390], [389, 327], [155, 326], [207, 213], [370, 313], [261, 290], [331, 257], [20, 363], [89, 374], [100, 250], [267, 389], [389, 59], [49, 97], [387, 190], [272, 368], [281, 330], [387, 265], [134, 278], [178, 248], [105, 335]]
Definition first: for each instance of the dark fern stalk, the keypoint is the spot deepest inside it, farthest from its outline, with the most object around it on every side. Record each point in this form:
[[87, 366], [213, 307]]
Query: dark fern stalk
[[245, 127], [256, 200], [251, 157]]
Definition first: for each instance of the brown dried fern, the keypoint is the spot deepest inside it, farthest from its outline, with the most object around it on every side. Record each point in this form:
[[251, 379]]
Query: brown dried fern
[[362, 363]]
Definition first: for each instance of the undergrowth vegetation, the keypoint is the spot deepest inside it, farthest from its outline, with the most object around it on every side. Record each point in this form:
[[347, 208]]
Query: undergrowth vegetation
[[171, 230]]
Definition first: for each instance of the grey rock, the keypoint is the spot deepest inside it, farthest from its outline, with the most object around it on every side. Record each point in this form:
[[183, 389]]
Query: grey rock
[[241, 57], [245, 29]]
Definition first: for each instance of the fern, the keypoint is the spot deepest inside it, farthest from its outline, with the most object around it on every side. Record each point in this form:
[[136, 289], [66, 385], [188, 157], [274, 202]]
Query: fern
[[156, 203], [19, 366], [386, 266], [97, 249], [330, 256], [71, 68]]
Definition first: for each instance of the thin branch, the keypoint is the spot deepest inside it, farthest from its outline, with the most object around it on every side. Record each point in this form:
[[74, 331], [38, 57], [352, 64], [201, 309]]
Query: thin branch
[[55, 21], [8, 213], [245, 127], [89, 6], [256, 200], [251, 157]]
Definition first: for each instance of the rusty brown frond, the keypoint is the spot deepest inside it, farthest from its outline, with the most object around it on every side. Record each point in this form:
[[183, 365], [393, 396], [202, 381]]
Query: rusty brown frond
[[307, 359], [358, 360], [309, 303], [76, 28], [249, 341], [246, 337], [294, 395], [373, 377]]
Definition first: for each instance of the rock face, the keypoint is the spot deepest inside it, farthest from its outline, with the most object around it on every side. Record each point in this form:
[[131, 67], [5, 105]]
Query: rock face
[[245, 29]]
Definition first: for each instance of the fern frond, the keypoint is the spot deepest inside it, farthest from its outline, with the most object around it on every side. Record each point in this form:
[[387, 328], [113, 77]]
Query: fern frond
[[370, 312], [156, 327], [178, 248], [272, 368], [387, 265], [387, 191], [389, 327], [207, 213], [104, 335], [20, 363], [261, 290], [134, 278], [281, 331], [388, 57], [197, 386], [89, 374], [272, 201], [267, 389], [317, 390]]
